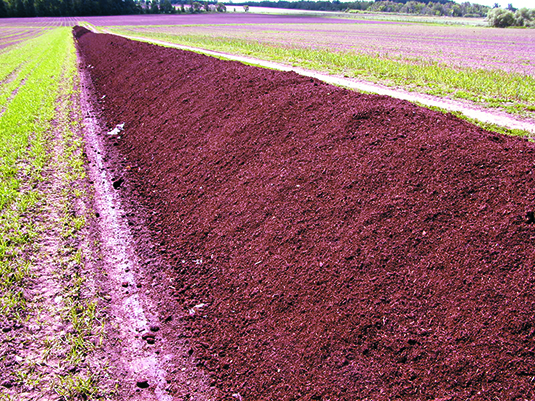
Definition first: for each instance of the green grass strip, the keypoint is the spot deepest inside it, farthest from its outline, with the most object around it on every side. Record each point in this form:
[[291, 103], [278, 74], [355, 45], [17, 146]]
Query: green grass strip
[[23, 155], [493, 88]]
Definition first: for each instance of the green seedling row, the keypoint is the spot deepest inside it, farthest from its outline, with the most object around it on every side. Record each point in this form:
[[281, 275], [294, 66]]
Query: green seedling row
[[16, 70], [23, 153], [512, 92]]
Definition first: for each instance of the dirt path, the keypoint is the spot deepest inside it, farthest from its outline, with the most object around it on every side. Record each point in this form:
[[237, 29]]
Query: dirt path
[[470, 110]]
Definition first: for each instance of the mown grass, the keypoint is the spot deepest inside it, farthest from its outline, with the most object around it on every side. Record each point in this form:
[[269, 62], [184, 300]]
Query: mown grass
[[514, 93]]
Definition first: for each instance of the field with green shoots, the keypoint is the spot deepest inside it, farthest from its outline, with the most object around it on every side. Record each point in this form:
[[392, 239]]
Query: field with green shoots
[[488, 66]]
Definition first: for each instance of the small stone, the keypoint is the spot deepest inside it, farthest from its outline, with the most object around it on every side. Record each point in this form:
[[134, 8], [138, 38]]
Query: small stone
[[154, 328], [145, 336], [142, 383], [150, 340], [125, 284], [6, 329]]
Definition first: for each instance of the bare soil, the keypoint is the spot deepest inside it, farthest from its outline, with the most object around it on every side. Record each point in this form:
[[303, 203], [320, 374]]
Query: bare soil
[[469, 109], [319, 243]]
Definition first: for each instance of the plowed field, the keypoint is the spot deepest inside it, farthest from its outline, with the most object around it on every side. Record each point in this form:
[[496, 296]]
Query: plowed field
[[325, 244]]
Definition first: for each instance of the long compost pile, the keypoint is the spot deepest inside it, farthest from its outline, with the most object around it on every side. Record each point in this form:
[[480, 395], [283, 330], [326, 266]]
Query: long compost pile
[[327, 244]]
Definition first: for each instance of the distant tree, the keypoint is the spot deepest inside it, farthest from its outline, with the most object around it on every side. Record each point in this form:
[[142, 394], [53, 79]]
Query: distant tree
[[95, 8], [20, 11], [182, 9], [525, 17], [63, 9], [167, 7], [221, 8], [510, 7], [3, 9], [496, 5], [196, 7], [500, 18], [30, 8], [154, 7], [246, 8], [456, 11]]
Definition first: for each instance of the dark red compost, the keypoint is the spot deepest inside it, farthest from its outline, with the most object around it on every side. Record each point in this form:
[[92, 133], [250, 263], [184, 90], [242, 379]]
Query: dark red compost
[[326, 244]]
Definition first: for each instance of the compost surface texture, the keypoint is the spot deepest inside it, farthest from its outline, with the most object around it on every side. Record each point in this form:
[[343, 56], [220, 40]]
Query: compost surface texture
[[325, 244]]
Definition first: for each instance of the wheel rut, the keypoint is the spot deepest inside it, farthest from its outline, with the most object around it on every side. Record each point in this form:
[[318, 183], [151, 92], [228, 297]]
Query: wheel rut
[[143, 344]]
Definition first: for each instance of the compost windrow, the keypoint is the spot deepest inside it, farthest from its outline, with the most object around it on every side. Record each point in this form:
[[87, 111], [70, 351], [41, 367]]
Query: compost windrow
[[325, 244]]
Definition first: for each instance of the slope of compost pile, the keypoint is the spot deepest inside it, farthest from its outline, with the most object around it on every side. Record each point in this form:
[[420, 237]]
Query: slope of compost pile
[[325, 244]]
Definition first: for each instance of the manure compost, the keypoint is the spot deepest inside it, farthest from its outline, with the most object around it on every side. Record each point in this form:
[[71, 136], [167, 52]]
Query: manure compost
[[325, 244]]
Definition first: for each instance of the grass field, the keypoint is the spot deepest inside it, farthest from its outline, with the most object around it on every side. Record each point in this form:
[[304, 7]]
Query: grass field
[[455, 62], [30, 79], [42, 222]]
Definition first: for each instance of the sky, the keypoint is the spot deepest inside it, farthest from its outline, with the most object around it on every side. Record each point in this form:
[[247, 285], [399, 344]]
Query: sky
[[503, 3]]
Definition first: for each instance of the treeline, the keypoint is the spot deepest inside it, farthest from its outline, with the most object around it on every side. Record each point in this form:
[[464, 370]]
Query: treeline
[[63, 8], [335, 5], [66, 8], [447, 8], [437, 7]]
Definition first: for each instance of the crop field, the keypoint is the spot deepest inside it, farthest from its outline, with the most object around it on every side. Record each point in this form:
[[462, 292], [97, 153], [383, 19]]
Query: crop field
[[366, 16], [47, 315], [493, 67], [12, 36], [175, 226], [511, 51], [52, 22]]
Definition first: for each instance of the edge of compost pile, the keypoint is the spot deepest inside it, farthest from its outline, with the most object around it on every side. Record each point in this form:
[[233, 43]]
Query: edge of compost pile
[[143, 344]]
